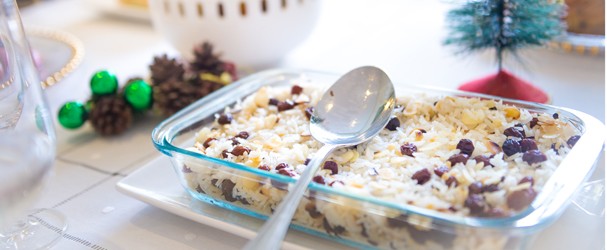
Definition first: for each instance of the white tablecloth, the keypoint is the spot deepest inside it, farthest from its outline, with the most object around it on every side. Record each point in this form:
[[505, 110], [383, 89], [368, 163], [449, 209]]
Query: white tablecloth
[[402, 37]]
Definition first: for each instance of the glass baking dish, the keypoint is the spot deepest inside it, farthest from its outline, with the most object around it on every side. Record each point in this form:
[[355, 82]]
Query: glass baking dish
[[369, 222]]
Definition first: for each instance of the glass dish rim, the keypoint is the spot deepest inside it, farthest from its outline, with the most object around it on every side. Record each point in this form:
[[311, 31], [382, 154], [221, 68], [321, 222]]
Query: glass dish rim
[[538, 215]]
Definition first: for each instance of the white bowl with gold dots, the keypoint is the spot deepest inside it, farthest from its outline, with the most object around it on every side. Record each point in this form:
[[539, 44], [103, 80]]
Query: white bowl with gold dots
[[251, 33]]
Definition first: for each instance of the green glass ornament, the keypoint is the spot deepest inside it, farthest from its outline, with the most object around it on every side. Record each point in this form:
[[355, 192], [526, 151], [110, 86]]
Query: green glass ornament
[[72, 115], [139, 95], [104, 83]]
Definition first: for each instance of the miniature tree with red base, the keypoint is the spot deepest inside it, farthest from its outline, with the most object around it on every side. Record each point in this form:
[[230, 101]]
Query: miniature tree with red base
[[505, 26]]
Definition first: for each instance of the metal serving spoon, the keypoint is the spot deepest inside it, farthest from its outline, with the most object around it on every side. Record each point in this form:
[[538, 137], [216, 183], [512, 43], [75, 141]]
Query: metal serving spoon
[[354, 109]]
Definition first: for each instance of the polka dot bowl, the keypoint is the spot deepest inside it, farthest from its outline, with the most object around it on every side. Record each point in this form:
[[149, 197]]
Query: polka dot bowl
[[251, 33]]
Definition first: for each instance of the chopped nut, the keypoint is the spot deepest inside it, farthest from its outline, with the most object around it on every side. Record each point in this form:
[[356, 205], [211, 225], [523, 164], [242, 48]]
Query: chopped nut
[[419, 135], [471, 118], [512, 112], [261, 98], [270, 121], [493, 147], [250, 182]]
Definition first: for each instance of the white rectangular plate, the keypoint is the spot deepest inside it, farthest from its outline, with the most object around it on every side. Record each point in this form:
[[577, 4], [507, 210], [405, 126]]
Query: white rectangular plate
[[156, 184]]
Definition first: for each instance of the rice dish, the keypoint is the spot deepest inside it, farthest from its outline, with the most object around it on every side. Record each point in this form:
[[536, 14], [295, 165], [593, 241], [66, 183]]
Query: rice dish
[[461, 156]]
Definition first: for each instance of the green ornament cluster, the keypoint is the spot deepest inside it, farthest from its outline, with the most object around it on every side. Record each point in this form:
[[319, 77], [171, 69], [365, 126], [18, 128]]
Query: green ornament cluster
[[137, 94]]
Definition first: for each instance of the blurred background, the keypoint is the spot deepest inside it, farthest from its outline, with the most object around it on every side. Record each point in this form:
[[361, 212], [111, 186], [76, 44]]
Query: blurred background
[[73, 39]]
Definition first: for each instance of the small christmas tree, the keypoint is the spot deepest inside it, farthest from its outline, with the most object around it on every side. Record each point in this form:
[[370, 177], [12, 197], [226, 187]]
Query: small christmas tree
[[505, 26]]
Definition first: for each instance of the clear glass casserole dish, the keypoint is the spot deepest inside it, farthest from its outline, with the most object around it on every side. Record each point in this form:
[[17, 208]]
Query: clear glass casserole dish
[[362, 220]]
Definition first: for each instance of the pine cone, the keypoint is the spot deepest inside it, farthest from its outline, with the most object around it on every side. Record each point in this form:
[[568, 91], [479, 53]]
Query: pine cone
[[174, 95], [111, 115], [204, 87], [206, 61], [163, 69]]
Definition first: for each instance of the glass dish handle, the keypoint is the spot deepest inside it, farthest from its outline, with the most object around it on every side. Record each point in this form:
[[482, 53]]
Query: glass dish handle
[[591, 198]]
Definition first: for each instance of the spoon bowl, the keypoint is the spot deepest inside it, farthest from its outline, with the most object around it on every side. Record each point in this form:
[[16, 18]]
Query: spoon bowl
[[353, 110]]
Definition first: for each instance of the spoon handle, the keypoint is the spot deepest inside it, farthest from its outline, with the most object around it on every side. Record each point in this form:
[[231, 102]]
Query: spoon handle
[[270, 236]]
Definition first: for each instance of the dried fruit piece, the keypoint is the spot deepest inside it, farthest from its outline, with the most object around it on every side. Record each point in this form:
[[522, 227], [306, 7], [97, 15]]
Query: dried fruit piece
[[465, 146], [528, 144], [476, 203], [534, 156], [234, 141], [483, 159], [475, 188], [458, 158], [526, 179], [533, 122], [286, 172], [451, 181], [421, 176], [408, 149], [311, 209], [281, 166], [491, 187], [319, 179], [393, 123], [273, 101], [331, 165], [441, 170], [227, 188], [225, 118], [286, 105], [207, 142], [515, 132], [573, 140], [243, 135], [511, 147], [240, 150], [296, 90], [520, 199], [264, 167]]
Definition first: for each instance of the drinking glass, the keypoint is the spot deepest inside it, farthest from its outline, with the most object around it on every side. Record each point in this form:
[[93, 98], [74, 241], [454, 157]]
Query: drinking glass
[[27, 142]]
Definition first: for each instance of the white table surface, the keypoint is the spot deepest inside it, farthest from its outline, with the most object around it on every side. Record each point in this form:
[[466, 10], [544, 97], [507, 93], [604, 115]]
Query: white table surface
[[402, 37]]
